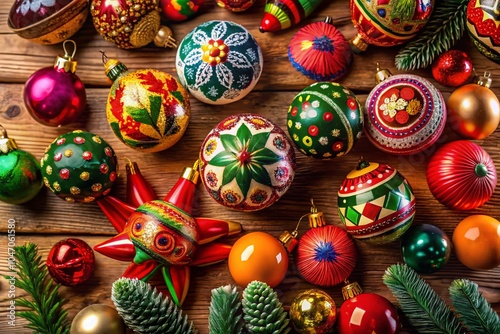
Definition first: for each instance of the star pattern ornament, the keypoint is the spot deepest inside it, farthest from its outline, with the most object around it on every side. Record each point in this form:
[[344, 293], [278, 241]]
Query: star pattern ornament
[[162, 235]]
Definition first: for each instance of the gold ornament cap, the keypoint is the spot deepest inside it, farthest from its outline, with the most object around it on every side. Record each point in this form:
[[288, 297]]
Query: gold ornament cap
[[289, 240], [484, 80], [316, 219], [351, 290], [165, 38], [66, 62], [381, 75], [358, 45], [112, 67], [191, 173], [6, 144]]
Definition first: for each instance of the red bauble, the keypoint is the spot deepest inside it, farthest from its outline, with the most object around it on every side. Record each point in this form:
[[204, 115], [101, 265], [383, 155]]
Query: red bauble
[[461, 175], [452, 68], [70, 262]]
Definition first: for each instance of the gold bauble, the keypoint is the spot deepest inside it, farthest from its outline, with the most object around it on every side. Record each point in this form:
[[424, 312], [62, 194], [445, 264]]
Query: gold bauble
[[97, 319], [313, 312]]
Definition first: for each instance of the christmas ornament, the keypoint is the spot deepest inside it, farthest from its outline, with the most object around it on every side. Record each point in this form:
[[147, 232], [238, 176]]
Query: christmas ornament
[[325, 120], [282, 14], [405, 113], [71, 262], [225, 311], [387, 24], [483, 26], [247, 162], [235, 5], [452, 68], [376, 203], [163, 236], [130, 24], [258, 256], [476, 242], [47, 22], [473, 109], [97, 319], [461, 175], [425, 248], [138, 189], [219, 62], [326, 254], [20, 175], [366, 313], [179, 10], [55, 95], [320, 51], [79, 166], [148, 110], [313, 312]]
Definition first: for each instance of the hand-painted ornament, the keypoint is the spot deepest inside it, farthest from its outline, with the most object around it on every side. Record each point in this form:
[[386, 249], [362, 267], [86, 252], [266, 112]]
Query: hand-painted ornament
[[49, 21], [282, 14], [70, 262], [247, 162], [425, 248], [326, 254], [483, 26], [461, 175], [219, 62], [130, 24], [474, 109], [476, 242], [325, 120], [179, 10], [235, 5], [313, 312], [387, 23], [20, 175], [405, 113], [366, 313], [320, 51], [258, 256], [376, 203], [98, 319], [452, 68], [79, 166], [148, 110], [163, 236], [55, 95]]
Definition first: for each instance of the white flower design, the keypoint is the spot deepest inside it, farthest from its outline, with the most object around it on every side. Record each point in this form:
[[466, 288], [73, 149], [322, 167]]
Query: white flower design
[[34, 5], [323, 141], [392, 105]]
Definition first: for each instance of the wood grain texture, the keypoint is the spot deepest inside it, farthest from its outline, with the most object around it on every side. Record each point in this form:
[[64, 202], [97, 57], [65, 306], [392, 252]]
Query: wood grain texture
[[47, 219]]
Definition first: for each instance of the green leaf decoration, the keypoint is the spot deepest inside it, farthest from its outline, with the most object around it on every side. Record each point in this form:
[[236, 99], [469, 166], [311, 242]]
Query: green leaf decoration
[[178, 95], [258, 141], [402, 9], [155, 108], [143, 115], [265, 156], [223, 158], [243, 179], [474, 311], [244, 135], [425, 310], [259, 174], [225, 311]]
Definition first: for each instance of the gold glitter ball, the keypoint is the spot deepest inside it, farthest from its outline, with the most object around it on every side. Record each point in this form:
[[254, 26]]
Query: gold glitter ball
[[48, 170], [56, 186], [85, 176], [74, 190], [68, 153]]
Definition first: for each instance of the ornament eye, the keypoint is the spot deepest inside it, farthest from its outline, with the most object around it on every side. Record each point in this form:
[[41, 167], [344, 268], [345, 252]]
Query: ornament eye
[[138, 225], [164, 242]]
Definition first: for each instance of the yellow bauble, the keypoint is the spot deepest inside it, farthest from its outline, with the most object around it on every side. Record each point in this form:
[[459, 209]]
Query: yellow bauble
[[97, 319], [313, 312]]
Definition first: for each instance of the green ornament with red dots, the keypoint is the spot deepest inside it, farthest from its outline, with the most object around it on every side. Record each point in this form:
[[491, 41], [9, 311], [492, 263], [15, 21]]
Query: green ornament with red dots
[[325, 120], [79, 166]]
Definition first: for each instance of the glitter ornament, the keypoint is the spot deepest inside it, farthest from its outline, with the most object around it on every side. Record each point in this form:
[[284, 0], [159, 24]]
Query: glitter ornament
[[325, 120], [376, 203], [148, 110], [179, 10], [219, 62], [70, 262], [404, 113], [483, 26], [79, 166], [282, 14], [313, 312], [235, 5], [97, 319], [247, 162], [452, 68]]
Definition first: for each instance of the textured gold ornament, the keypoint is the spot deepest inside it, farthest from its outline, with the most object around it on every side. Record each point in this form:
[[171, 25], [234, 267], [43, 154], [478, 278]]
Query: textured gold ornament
[[97, 319], [313, 312]]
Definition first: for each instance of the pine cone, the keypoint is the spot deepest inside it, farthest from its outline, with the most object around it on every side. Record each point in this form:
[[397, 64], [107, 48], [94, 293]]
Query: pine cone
[[225, 311]]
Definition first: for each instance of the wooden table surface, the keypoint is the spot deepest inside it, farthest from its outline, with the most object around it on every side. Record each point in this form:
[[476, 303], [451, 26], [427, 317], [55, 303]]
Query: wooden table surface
[[47, 219]]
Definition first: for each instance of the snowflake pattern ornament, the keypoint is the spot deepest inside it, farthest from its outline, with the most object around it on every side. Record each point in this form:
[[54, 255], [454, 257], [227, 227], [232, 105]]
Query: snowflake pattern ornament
[[219, 62]]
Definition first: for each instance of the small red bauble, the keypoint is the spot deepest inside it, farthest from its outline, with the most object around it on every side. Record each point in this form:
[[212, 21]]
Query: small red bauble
[[452, 68], [70, 262]]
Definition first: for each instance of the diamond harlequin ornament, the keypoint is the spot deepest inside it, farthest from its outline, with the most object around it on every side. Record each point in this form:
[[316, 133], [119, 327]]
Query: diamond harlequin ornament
[[376, 203], [483, 26], [325, 120], [247, 162], [219, 62]]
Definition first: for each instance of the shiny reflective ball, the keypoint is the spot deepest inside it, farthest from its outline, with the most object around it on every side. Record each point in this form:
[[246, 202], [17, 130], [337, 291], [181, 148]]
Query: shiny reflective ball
[[97, 319], [313, 312]]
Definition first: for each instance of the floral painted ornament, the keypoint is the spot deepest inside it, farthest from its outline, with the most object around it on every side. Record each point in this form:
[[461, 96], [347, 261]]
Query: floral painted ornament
[[247, 162], [325, 120], [219, 62]]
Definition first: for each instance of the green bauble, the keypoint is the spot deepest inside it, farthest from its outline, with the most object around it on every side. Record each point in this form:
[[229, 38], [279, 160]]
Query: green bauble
[[20, 177]]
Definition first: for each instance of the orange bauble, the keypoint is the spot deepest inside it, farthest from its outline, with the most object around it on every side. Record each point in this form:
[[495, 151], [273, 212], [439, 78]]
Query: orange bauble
[[258, 256], [476, 240]]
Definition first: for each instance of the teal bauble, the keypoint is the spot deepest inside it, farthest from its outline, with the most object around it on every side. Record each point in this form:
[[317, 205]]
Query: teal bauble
[[325, 120]]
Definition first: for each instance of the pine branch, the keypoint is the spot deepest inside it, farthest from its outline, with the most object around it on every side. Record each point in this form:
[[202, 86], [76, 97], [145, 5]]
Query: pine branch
[[225, 307], [474, 311], [444, 28], [144, 309], [46, 314], [425, 310]]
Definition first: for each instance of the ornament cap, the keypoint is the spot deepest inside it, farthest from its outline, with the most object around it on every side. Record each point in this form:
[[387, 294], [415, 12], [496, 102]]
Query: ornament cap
[[316, 219], [485, 80], [288, 240], [6, 144], [328, 20], [191, 173], [358, 45], [381, 75], [112, 67], [66, 62], [351, 290], [164, 38]]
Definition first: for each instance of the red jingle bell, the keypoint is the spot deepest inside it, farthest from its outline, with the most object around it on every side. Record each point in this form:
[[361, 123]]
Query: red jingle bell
[[452, 68]]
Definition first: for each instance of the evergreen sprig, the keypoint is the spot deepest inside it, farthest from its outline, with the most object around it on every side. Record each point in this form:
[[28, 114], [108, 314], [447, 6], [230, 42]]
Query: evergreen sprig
[[225, 311], [444, 28], [145, 311], [46, 314], [474, 311]]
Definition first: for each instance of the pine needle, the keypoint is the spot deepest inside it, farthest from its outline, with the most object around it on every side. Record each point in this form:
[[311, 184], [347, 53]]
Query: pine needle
[[474, 311], [225, 311]]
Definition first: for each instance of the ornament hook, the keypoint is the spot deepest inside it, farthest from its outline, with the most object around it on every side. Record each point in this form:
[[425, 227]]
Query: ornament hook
[[3, 132], [103, 56], [66, 53]]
